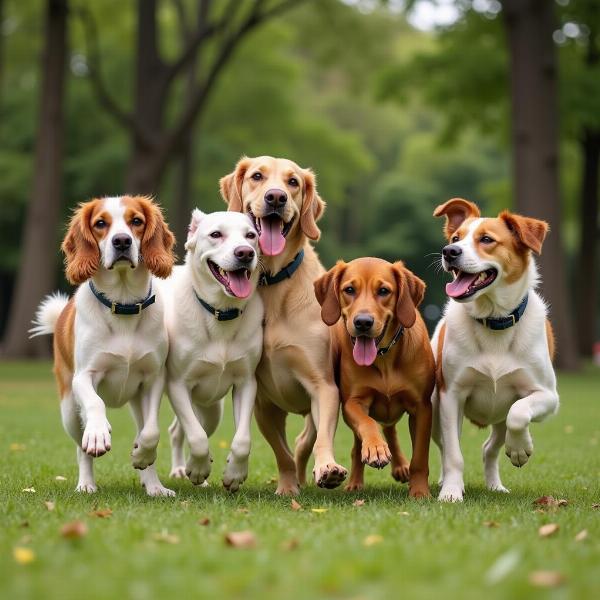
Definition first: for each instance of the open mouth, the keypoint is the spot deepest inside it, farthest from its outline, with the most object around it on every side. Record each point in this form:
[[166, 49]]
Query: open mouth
[[466, 284], [364, 349], [272, 231], [236, 283]]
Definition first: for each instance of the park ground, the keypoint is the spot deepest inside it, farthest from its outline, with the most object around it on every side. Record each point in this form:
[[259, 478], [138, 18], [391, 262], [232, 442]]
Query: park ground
[[333, 547]]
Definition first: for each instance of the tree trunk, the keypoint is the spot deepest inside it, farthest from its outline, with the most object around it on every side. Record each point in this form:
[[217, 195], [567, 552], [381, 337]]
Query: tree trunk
[[36, 275], [533, 74], [587, 272]]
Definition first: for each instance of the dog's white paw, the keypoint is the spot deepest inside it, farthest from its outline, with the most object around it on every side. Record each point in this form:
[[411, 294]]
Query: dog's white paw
[[86, 487], [198, 469], [498, 487], [157, 489], [142, 457], [236, 472], [96, 437], [451, 493], [519, 447], [178, 472]]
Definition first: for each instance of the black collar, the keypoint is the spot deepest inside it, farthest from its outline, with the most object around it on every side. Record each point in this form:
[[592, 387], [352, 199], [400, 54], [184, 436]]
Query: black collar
[[397, 336], [506, 322], [228, 314], [285, 273], [124, 309]]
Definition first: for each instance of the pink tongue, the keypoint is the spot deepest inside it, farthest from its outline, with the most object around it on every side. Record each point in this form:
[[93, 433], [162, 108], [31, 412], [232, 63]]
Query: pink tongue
[[365, 351], [271, 239], [240, 285], [461, 284]]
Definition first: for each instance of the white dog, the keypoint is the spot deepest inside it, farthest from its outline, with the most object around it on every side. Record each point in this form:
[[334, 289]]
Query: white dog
[[494, 346], [110, 340], [215, 330]]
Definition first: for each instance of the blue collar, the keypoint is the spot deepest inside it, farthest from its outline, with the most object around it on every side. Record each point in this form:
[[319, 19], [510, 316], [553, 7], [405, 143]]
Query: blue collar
[[228, 314], [285, 273], [506, 322], [116, 308]]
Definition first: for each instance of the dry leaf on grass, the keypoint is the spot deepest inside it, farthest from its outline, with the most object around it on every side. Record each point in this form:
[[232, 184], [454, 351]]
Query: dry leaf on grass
[[404, 513], [204, 521], [240, 539], [29, 490], [102, 513], [358, 503], [23, 556], [60, 478], [582, 535], [295, 505], [16, 447], [165, 537], [550, 501], [243, 510], [289, 545], [595, 505], [491, 524], [50, 506], [74, 530], [372, 540], [319, 510], [547, 579], [548, 529]]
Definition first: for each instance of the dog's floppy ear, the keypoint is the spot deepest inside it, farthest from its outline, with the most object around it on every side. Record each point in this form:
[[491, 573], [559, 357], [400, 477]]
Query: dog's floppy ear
[[327, 291], [157, 241], [530, 233], [231, 185], [197, 216], [312, 206], [456, 211], [82, 254], [411, 291]]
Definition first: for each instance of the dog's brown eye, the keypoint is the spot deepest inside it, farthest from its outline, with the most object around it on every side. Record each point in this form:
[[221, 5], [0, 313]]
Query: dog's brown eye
[[216, 235], [250, 235], [257, 176], [383, 291], [136, 222], [293, 182], [349, 290], [454, 239], [100, 224], [486, 239]]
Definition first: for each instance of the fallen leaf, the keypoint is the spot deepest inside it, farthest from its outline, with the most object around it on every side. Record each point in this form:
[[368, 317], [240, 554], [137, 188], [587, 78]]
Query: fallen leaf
[[29, 490], [546, 501], [289, 545], [15, 447], [166, 537], [102, 513], [23, 556], [404, 513], [548, 529], [50, 505], [296, 505], [491, 524], [60, 478], [372, 539], [319, 510], [204, 522], [546, 579], [74, 530], [582, 535], [358, 503], [223, 444], [243, 510], [240, 539], [595, 505], [563, 502], [503, 566]]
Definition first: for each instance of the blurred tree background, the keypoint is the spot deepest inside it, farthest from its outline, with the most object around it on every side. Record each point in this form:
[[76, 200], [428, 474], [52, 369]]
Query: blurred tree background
[[498, 102]]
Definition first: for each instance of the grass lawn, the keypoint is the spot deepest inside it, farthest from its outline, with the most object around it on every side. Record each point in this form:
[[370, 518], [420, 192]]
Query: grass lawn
[[388, 547]]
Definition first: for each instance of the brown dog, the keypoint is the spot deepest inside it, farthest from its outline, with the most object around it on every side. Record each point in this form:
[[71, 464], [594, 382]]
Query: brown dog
[[383, 363]]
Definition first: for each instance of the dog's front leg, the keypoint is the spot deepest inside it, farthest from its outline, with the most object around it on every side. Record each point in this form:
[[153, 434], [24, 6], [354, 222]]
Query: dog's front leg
[[535, 407], [198, 465], [450, 415], [95, 440], [236, 470], [325, 409]]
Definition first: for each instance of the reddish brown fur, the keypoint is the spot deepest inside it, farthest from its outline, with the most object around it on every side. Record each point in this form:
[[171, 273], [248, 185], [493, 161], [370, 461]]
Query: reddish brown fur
[[550, 338], [64, 346]]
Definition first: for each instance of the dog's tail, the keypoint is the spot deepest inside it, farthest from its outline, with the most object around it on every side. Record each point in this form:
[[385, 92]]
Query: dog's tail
[[47, 314]]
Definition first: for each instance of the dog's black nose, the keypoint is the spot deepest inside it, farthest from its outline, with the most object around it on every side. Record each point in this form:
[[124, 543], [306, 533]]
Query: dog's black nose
[[276, 198], [451, 252], [363, 323], [244, 254], [122, 242]]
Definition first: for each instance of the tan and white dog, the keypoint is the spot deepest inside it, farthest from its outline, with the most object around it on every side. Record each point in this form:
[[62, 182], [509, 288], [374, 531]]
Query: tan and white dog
[[295, 374], [214, 321], [494, 345], [110, 340]]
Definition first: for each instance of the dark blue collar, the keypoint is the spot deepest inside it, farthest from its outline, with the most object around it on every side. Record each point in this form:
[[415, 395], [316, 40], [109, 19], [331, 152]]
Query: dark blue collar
[[285, 273], [228, 314], [506, 322], [124, 309]]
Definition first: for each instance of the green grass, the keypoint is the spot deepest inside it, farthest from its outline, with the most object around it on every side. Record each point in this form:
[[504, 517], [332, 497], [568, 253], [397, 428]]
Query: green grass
[[433, 551]]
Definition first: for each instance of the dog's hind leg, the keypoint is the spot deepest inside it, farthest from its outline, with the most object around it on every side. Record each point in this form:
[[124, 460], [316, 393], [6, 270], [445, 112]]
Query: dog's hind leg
[[491, 449], [271, 422], [177, 438], [304, 447], [400, 464]]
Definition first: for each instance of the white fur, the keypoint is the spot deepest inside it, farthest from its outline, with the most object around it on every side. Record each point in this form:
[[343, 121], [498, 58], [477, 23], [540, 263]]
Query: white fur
[[207, 357], [500, 378], [119, 359], [47, 314]]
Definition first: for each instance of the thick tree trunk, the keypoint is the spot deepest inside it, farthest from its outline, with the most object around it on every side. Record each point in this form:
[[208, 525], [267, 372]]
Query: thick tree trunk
[[530, 25], [36, 275], [587, 275]]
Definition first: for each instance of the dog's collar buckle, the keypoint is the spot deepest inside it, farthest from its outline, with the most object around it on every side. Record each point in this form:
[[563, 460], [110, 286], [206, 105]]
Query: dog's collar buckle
[[507, 322], [116, 308]]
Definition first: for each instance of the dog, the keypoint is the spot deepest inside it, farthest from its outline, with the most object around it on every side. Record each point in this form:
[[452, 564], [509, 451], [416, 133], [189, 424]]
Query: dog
[[110, 340], [383, 364], [294, 374], [494, 346], [214, 321]]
